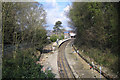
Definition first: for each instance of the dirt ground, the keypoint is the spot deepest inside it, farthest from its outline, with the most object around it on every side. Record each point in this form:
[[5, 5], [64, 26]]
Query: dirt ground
[[80, 68], [49, 60]]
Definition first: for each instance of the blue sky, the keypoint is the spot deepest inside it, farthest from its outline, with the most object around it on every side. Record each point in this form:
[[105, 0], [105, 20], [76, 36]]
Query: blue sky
[[56, 11]]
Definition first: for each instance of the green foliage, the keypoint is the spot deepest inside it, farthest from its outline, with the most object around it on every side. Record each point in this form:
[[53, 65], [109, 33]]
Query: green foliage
[[21, 19], [40, 39], [23, 66], [53, 38], [106, 59], [61, 37], [97, 28], [57, 26], [96, 23], [24, 23], [49, 75]]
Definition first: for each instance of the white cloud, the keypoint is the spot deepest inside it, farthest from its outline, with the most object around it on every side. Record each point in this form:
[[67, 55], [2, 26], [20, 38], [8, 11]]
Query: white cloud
[[50, 0], [54, 13], [66, 9]]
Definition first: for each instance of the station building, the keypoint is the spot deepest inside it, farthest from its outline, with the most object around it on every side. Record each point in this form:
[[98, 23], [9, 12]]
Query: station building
[[69, 34]]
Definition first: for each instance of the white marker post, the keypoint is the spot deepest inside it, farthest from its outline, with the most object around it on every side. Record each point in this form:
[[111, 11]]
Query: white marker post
[[93, 65], [100, 72]]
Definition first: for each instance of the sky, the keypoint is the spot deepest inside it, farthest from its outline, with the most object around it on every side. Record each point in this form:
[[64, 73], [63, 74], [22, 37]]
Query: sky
[[56, 11]]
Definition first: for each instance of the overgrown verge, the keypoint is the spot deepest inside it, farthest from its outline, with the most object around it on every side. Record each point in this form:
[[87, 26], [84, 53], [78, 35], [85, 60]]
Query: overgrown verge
[[23, 66], [108, 60]]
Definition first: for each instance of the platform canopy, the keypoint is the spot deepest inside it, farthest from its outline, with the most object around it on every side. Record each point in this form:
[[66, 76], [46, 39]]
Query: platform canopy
[[72, 34]]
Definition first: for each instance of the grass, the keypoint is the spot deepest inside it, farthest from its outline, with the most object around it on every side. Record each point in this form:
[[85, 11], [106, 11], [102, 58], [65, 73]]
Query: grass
[[107, 59]]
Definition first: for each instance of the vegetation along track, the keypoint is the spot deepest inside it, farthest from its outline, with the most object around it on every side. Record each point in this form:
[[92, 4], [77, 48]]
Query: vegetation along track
[[63, 66]]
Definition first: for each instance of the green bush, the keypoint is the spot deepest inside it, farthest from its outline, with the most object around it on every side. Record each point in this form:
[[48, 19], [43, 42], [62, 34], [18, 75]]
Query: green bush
[[40, 39], [61, 37], [23, 66], [53, 38]]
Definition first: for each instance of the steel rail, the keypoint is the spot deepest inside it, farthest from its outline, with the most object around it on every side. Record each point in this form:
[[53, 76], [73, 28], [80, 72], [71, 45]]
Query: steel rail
[[64, 68]]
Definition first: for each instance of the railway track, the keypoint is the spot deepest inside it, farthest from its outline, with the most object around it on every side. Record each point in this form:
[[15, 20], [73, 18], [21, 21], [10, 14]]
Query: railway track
[[63, 66]]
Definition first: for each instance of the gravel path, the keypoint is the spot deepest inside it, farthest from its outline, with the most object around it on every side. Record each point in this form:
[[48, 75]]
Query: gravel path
[[78, 65]]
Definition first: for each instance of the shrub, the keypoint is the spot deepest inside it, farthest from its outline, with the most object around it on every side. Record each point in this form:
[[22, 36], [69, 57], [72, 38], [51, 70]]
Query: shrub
[[23, 66], [53, 38], [61, 37]]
